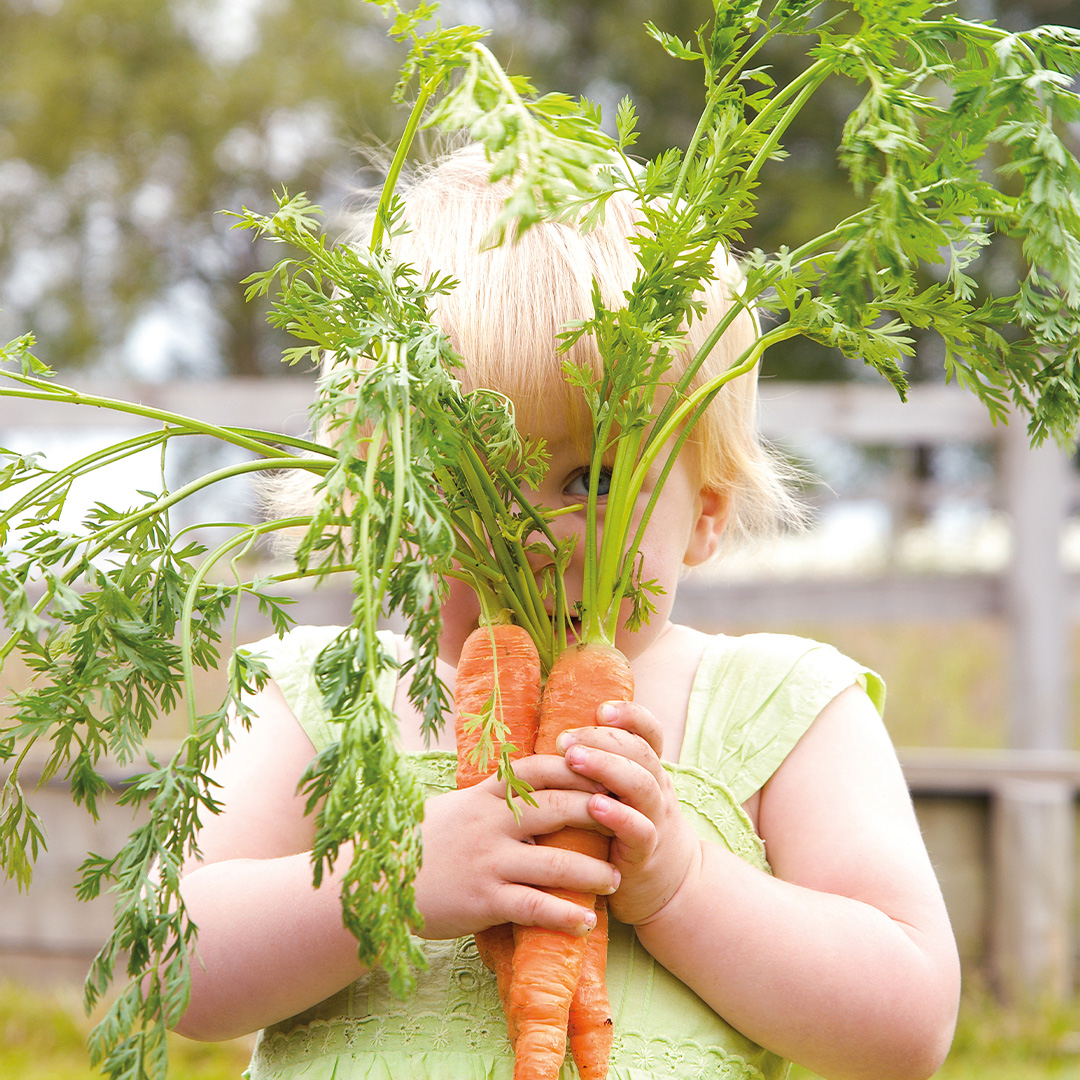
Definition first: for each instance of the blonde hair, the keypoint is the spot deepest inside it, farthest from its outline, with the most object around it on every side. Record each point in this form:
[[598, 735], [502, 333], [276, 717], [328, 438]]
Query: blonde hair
[[512, 300]]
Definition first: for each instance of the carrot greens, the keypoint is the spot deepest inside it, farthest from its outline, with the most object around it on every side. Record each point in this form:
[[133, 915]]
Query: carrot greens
[[423, 481], [955, 146], [944, 98]]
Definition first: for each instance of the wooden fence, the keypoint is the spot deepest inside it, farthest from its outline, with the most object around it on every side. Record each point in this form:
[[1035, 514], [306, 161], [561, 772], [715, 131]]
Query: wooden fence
[[1000, 825]]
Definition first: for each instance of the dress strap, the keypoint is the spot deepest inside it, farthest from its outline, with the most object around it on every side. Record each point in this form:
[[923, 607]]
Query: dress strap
[[755, 696]]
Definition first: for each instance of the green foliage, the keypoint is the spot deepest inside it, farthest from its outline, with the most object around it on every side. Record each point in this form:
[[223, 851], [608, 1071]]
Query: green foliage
[[917, 152], [423, 481], [549, 144], [43, 1037], [126, 123], [919, 149], [129, 610]]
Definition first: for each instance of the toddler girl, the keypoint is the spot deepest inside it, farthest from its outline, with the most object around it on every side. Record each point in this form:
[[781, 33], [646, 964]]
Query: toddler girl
[[771, 897]]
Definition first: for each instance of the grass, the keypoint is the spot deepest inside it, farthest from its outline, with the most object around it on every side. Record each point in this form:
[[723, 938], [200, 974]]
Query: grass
[[42, 1037], [992, 1042]]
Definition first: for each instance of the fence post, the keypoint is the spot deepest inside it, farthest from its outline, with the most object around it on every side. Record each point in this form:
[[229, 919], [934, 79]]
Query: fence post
[[1033, 850], [1031, 938], [1036, 591]]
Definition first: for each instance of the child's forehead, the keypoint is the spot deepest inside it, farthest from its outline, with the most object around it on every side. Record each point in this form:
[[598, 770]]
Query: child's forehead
[[560, 439], [559, 417]]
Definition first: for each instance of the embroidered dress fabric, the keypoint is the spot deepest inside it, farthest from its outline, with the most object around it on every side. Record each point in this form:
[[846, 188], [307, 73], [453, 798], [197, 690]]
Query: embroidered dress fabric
[[753, 697]]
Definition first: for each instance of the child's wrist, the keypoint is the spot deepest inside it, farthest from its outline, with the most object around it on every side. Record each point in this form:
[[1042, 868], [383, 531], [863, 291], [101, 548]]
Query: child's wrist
[[679, 901]]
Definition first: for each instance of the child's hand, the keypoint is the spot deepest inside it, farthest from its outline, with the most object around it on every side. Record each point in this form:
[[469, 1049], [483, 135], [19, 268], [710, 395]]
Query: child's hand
[[480, 867], [653, 846]]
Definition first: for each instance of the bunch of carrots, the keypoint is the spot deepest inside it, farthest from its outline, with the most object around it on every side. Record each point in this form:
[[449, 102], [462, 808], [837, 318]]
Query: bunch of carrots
[[552, 984]]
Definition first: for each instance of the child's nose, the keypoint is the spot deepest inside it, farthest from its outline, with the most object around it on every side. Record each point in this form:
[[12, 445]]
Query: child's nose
[[539, 552], [539, 542]]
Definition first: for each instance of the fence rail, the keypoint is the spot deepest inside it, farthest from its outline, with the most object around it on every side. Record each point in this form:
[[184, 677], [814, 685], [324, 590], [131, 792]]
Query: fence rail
[[1001, 826], [859, 412]]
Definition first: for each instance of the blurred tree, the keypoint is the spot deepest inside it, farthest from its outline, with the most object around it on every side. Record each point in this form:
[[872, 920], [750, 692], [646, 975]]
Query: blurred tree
[[126, 124], [597, 48]]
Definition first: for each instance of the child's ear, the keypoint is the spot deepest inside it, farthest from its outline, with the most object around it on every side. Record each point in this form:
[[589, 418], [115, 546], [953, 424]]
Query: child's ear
[[715, 506]]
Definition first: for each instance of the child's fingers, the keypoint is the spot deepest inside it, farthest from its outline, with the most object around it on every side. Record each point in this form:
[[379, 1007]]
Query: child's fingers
[[634, 835], [632, 805], [634, 718], [542, 772], [559, 798], [474, 847], [551, 811], [535, 907], [653, 855], [630, 731], [628, 780], [616, 743], [547, 867]]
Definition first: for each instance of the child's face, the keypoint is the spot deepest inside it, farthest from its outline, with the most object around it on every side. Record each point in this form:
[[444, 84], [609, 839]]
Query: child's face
[[683, 530]]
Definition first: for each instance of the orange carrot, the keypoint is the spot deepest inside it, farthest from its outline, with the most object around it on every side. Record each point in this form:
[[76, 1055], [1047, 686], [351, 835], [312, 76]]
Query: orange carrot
[[497, 661], [547, 967], [547, 963], [496, 948], [590, 1024]]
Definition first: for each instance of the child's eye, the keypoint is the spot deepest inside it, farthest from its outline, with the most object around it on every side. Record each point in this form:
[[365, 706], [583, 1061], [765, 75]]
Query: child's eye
[[579, 485]]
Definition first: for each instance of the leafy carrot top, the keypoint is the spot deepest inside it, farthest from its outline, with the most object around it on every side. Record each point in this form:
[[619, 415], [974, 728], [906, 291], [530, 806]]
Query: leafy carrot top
[[114, 616]]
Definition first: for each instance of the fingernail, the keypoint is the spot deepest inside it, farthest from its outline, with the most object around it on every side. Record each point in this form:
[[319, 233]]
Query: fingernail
[[589, 922], [563, 741], [576, 755], [617, 880], [607, 714]]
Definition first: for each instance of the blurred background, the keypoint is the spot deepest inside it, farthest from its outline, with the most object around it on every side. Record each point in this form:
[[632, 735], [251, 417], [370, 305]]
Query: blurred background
[[943, 551]]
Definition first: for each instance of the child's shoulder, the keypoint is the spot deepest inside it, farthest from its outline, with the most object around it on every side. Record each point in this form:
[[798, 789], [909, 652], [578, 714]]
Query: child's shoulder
[[756, 694], [772, 660], [293, 645]]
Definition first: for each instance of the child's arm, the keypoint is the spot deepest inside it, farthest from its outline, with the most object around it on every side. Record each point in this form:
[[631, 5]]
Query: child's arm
[[268, 942], [844, 961], [271, 945]]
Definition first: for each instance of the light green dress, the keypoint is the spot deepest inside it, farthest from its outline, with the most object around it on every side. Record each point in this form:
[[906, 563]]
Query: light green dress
[[752, 699]]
